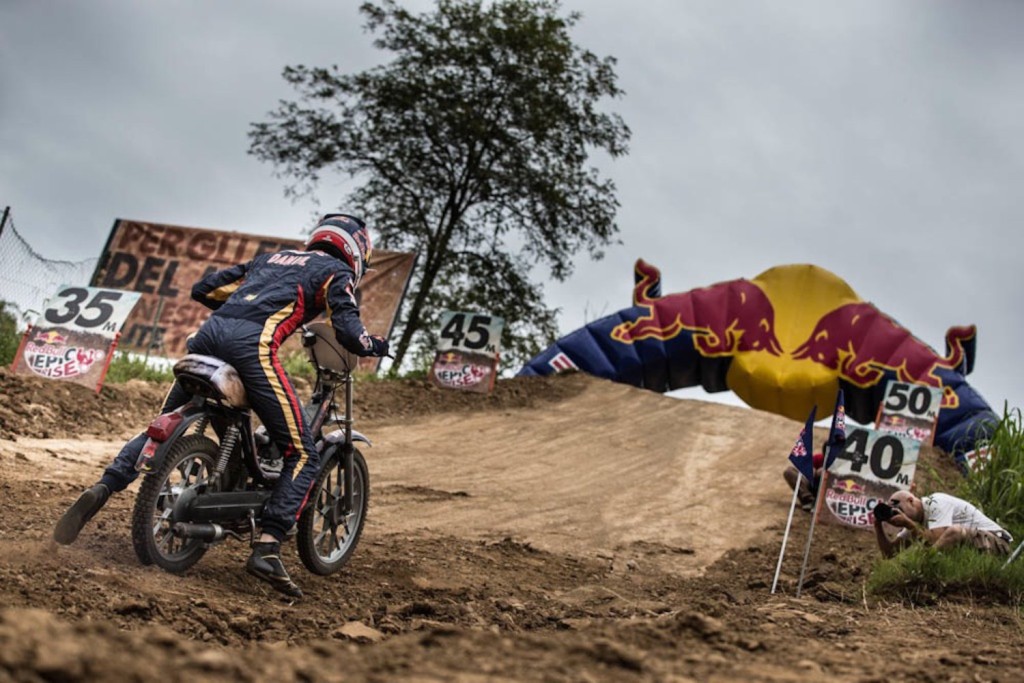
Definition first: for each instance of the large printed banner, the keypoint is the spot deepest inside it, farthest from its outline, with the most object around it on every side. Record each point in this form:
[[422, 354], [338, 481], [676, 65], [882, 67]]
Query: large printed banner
[[468, 350], [75, 335], [871, 467], [162, 262]]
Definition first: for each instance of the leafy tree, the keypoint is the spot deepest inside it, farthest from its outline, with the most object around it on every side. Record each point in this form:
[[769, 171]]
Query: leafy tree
[[472, 147]]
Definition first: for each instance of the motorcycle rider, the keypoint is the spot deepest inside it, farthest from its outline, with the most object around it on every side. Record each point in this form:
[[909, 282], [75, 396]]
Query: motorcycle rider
[[257, 305]]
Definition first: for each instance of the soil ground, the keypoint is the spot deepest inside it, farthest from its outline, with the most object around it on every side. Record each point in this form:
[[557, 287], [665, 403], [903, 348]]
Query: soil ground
[[561, 529]]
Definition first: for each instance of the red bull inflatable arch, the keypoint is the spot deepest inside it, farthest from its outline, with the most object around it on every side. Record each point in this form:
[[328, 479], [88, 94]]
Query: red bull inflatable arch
[[784, 341]]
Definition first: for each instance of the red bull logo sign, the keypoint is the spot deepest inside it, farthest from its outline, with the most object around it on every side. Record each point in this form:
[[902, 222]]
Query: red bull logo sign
[[50, 337], [453, 371], [60, 362]]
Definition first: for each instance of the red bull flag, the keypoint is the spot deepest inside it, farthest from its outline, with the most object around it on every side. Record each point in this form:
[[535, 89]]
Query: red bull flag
[[802, 455], [791, 338], [837, 432]]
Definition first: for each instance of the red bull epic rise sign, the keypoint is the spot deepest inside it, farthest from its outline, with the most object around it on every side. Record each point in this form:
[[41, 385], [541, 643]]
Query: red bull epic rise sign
[[75, 336]]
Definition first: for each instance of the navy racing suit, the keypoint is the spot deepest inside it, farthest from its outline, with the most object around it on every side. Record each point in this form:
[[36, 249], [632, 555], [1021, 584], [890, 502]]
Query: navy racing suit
[[257, 305]]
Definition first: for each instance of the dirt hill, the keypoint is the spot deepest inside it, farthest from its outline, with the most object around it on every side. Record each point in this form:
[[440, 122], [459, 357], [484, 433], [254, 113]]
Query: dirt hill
[[562, 529]]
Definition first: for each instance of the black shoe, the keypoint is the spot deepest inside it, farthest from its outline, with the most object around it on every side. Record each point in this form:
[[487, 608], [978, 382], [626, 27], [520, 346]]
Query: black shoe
[[265, 563], [80, 512]]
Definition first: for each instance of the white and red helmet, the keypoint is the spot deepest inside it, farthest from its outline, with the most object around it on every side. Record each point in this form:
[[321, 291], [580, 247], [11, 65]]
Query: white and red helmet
[[344, 237]]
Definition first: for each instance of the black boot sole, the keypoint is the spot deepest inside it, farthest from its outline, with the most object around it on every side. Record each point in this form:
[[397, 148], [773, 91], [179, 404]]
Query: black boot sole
[[75, 519], [278, 583]]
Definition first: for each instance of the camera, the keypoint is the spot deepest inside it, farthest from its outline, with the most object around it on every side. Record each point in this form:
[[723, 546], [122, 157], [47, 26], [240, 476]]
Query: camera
[[883, 511]]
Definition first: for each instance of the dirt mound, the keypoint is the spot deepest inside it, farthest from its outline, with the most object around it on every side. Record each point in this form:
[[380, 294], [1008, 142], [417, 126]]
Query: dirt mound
[[39, 408], [562, 529]]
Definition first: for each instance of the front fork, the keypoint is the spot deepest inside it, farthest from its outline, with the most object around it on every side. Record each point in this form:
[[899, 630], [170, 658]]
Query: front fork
[[346, 450]]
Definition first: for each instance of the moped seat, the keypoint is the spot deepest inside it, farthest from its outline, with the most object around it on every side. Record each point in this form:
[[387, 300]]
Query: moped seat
[[211, 378]]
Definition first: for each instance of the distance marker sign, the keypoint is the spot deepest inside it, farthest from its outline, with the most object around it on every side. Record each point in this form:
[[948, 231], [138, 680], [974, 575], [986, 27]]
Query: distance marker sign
[[75, 336], [871, 467], [468, 350], [910, 410]]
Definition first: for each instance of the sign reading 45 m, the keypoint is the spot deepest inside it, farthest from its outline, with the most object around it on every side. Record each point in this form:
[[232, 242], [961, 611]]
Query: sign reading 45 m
[[470, 332]]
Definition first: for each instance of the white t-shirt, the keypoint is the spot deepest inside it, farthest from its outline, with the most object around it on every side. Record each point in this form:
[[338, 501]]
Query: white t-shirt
[[942, 510]]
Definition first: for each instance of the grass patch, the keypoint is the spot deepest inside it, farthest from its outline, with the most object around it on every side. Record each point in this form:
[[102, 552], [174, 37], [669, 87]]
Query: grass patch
[[126, 367], [922, 575], [996, 484]]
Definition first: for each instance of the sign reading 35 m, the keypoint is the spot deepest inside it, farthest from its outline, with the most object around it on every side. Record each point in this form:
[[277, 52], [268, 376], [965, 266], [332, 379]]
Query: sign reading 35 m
[[75, 335]]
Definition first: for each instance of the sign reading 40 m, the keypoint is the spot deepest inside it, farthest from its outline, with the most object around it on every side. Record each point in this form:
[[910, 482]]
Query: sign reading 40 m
[[871, 467]]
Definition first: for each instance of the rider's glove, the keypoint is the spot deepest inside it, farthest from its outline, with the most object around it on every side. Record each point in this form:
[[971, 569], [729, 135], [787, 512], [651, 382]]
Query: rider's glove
[[378, 346]]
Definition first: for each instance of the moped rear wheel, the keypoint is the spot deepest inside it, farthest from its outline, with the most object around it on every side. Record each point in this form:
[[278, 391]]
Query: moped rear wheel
[[327, 536], [189, 463]]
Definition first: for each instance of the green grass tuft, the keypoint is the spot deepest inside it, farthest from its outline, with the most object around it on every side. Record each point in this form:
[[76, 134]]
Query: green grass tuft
[[922, 575], [996, 485]]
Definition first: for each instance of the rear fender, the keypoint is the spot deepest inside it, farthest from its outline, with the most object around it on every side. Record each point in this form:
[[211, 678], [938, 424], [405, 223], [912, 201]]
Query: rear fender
[[154, 452]]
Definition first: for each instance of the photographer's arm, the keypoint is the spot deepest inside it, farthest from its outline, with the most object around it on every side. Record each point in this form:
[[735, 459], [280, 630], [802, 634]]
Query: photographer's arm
[[888, 547], [914, 530]]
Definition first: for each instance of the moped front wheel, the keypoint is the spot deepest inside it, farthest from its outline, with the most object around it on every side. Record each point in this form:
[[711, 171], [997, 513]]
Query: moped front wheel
[[189, 463], [327, 534]]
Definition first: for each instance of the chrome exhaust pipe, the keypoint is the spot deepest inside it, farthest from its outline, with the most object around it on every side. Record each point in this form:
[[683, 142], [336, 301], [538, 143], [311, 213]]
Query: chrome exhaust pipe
[[203, 532]]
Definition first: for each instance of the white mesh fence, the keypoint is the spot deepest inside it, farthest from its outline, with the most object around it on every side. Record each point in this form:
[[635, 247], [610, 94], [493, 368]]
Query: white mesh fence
[[27, 279]]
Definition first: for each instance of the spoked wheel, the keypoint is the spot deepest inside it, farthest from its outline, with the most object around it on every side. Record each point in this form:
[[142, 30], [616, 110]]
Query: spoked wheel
[[188, 464], [327, 536]]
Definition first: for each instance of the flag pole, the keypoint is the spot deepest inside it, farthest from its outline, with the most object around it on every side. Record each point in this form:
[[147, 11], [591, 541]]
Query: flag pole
[[810, 534], [785, 536]]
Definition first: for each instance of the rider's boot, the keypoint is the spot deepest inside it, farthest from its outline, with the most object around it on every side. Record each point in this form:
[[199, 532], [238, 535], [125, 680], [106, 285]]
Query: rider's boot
[[80, 512], [265, 563]]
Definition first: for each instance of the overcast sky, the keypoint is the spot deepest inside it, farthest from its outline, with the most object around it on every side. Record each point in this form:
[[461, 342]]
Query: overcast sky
[[881, 140]]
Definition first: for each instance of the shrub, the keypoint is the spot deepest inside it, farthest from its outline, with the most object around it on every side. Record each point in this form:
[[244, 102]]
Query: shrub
[[126, 367], [9, 337], [996, 484]]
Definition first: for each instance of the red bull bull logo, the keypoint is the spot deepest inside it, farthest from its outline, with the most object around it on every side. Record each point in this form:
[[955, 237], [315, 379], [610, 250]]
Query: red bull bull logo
[[860, 343], [51, 337], [784, 341], [726, 318], [848, 486]]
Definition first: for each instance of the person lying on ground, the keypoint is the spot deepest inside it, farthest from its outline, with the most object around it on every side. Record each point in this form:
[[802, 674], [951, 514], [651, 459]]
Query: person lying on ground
[[940, 520]]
